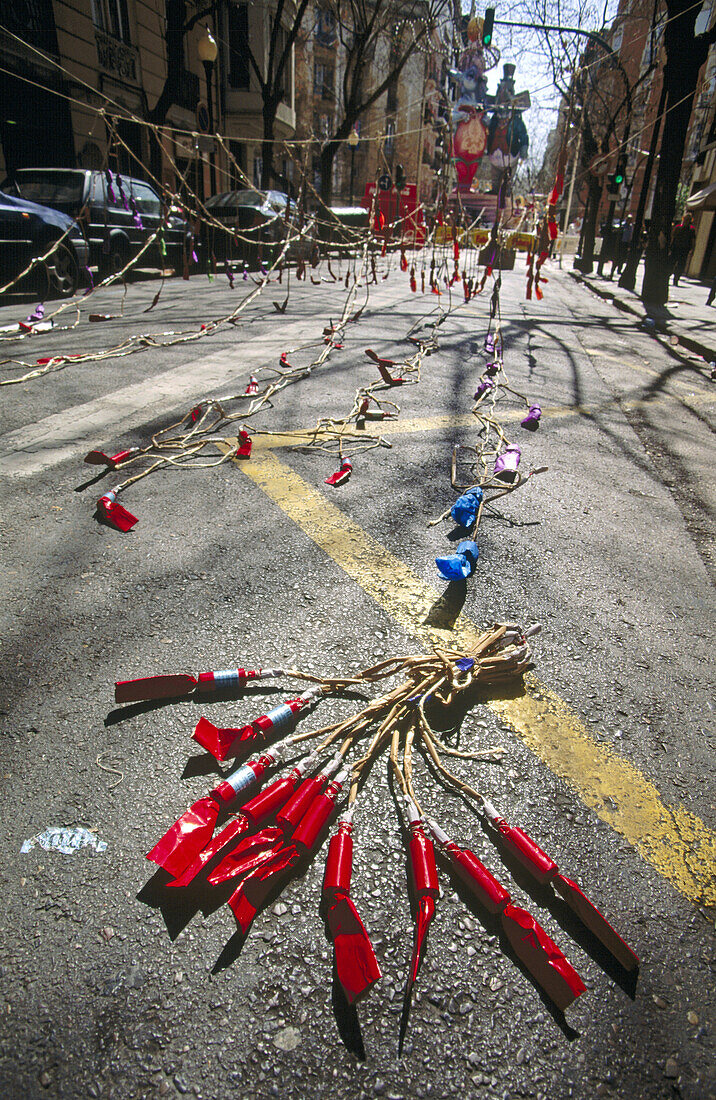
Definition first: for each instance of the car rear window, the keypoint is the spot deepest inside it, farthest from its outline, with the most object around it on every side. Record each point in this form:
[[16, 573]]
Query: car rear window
[[147, 202], [62, 190]]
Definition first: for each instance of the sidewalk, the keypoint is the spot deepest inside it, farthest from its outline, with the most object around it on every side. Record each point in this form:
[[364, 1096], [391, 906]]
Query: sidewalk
[[685, 318]]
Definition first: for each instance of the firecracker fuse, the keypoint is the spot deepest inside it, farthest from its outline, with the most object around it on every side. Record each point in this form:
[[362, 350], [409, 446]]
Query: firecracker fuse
[[529, 941], [545, 871]]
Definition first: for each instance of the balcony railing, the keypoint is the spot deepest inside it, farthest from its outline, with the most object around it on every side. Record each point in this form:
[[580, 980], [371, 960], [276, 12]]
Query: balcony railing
[[116, 57]]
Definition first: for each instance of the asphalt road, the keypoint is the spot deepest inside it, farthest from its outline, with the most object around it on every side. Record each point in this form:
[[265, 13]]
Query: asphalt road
[[106, 986]]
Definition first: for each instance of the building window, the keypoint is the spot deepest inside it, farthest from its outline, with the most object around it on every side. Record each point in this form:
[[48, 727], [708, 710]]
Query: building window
[[323, 80], [112, 17], [325, 28], [239, 71], [321, 125], [618, 38], [282, 49], [389, 138]]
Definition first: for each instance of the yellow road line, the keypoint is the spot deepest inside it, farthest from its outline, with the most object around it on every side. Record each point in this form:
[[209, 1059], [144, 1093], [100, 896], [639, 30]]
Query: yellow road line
[[415, 425], [675, 842]]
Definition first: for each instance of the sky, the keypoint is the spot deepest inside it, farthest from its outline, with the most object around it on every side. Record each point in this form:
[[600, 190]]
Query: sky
[[525, 49]]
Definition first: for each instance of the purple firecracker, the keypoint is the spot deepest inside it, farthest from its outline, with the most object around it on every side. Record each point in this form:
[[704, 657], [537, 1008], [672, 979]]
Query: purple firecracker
[[484, 386], [506, 464], [531, 421]]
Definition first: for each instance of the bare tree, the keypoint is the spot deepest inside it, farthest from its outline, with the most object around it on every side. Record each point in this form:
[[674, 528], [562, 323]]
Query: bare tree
[[364, 26], [284, 28], [685, 53], [178, 25]]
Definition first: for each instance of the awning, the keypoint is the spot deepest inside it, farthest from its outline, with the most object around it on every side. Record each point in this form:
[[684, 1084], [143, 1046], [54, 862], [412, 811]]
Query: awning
[[704, 199]]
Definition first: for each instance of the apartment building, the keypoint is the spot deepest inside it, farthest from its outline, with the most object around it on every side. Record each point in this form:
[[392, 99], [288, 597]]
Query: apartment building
[[82, 72], [401, 127]]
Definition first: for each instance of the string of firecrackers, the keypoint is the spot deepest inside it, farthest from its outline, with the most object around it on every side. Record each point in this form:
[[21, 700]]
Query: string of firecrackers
[[183, 444], [138, 341], [547, 233], [34, 325], [52, 363], [258, 840], [495, 450]]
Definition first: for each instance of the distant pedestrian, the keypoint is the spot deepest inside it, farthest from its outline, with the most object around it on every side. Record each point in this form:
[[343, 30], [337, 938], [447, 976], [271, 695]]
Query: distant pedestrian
[[682, 241], [622, 250], [712, 293]]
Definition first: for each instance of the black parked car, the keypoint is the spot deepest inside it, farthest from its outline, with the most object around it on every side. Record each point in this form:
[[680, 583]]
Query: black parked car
[[117, 213], [259, 217], [27, 230]]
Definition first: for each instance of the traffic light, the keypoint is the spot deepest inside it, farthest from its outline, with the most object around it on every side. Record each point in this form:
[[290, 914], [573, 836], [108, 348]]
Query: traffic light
[[487, 26], [616, 180], [400, 178]]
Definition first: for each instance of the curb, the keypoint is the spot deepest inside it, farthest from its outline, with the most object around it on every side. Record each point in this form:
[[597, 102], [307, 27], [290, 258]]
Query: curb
[[657, 327]]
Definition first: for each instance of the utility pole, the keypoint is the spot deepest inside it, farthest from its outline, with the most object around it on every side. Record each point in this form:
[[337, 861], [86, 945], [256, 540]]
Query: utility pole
[[577, 152]]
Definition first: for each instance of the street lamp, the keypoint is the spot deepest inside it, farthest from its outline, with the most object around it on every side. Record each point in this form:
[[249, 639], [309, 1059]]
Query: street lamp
[[208, 52], [353, 140]]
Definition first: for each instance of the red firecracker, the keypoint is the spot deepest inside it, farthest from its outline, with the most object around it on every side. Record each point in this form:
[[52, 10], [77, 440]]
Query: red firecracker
[[356, 965], [545, 871], [99, 458], [191, 832], [251, 895], [539, 954], [112, 512], [244, 448], [342, 473], [229, 742], [384, 366]]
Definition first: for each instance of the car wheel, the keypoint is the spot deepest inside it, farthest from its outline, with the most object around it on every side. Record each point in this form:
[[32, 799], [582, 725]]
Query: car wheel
[[63, 274], [116, 259]]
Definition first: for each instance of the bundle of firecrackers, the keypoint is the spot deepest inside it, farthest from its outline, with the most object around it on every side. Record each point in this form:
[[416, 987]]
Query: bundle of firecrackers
[[256, 832]]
